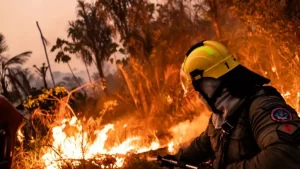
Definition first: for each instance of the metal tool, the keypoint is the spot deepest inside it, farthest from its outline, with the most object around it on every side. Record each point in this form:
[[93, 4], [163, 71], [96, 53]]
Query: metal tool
[[177, 163]]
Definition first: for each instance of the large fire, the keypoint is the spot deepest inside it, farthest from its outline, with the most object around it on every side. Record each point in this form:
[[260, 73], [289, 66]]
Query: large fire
[[73, 144], [75, 141], [78, 146]]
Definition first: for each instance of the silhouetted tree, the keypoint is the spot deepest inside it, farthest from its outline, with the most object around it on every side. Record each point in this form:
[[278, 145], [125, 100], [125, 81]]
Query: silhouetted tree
[[92, 36], [7, 64], [45, 42], [42, 71]]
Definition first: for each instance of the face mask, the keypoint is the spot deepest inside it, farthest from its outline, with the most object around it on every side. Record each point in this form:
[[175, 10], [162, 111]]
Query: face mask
[[224, 103], [209, 89], [209, 86]]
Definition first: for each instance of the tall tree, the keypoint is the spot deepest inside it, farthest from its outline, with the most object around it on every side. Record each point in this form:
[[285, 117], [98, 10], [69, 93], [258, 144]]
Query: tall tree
[[7, 64], [45, 42], [132, 20], [63, 47], [98, 33], [92, 36]]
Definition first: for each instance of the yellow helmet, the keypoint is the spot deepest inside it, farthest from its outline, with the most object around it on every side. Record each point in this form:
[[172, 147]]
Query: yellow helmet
[[205, 59]]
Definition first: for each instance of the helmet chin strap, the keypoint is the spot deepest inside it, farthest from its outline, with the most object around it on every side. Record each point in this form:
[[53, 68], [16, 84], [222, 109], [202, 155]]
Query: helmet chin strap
[[210, 101]]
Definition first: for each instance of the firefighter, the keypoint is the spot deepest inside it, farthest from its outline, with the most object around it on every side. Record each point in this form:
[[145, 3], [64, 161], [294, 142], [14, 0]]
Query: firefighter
[[251, 125], [10, 120]]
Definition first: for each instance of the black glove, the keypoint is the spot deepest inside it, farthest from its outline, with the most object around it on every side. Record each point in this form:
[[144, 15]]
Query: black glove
[[166, 164]]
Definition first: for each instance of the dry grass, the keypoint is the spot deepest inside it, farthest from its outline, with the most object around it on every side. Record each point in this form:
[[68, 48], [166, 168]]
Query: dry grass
[[162, 102]]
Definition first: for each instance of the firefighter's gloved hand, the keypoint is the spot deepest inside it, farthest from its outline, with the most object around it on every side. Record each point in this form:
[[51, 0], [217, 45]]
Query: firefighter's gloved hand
[[166, 164], [205, 166]]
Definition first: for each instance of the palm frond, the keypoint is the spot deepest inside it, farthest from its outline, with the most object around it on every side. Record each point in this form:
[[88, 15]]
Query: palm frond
[[81, 8], [12, 79], [18, 59], [3, 45], [86, 56], [3, 59], [20, 76]]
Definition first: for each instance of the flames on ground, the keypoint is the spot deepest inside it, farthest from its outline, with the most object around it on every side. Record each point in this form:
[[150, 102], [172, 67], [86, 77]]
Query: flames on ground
[[77, 141], [74, 142]]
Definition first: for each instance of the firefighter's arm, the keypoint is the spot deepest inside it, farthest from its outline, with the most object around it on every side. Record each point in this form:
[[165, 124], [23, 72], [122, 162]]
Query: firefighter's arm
[[275, 127], [198, 151]]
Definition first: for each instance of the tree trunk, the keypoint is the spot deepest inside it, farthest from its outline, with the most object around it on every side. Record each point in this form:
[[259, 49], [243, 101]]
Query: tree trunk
[[101, 74], [4, 90], [27, 84], [73, 74], [43, 41], [45, 82], [87, 71], [16, 83], [17, 94], [214, 17], [91, 34]]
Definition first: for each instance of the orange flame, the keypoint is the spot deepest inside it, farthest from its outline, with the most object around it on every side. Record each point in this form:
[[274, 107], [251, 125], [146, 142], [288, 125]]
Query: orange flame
[[77, 145]]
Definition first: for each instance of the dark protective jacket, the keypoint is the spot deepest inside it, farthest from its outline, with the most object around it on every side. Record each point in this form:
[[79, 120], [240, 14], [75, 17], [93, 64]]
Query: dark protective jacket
[[10, 120], [267, 136]]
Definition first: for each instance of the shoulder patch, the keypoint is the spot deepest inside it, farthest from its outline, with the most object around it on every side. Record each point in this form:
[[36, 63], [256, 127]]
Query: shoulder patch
[[288, 132], [281, 115]]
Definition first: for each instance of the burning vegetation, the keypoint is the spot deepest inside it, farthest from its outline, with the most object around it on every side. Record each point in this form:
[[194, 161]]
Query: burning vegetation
[[138, 112], [77, 142]]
